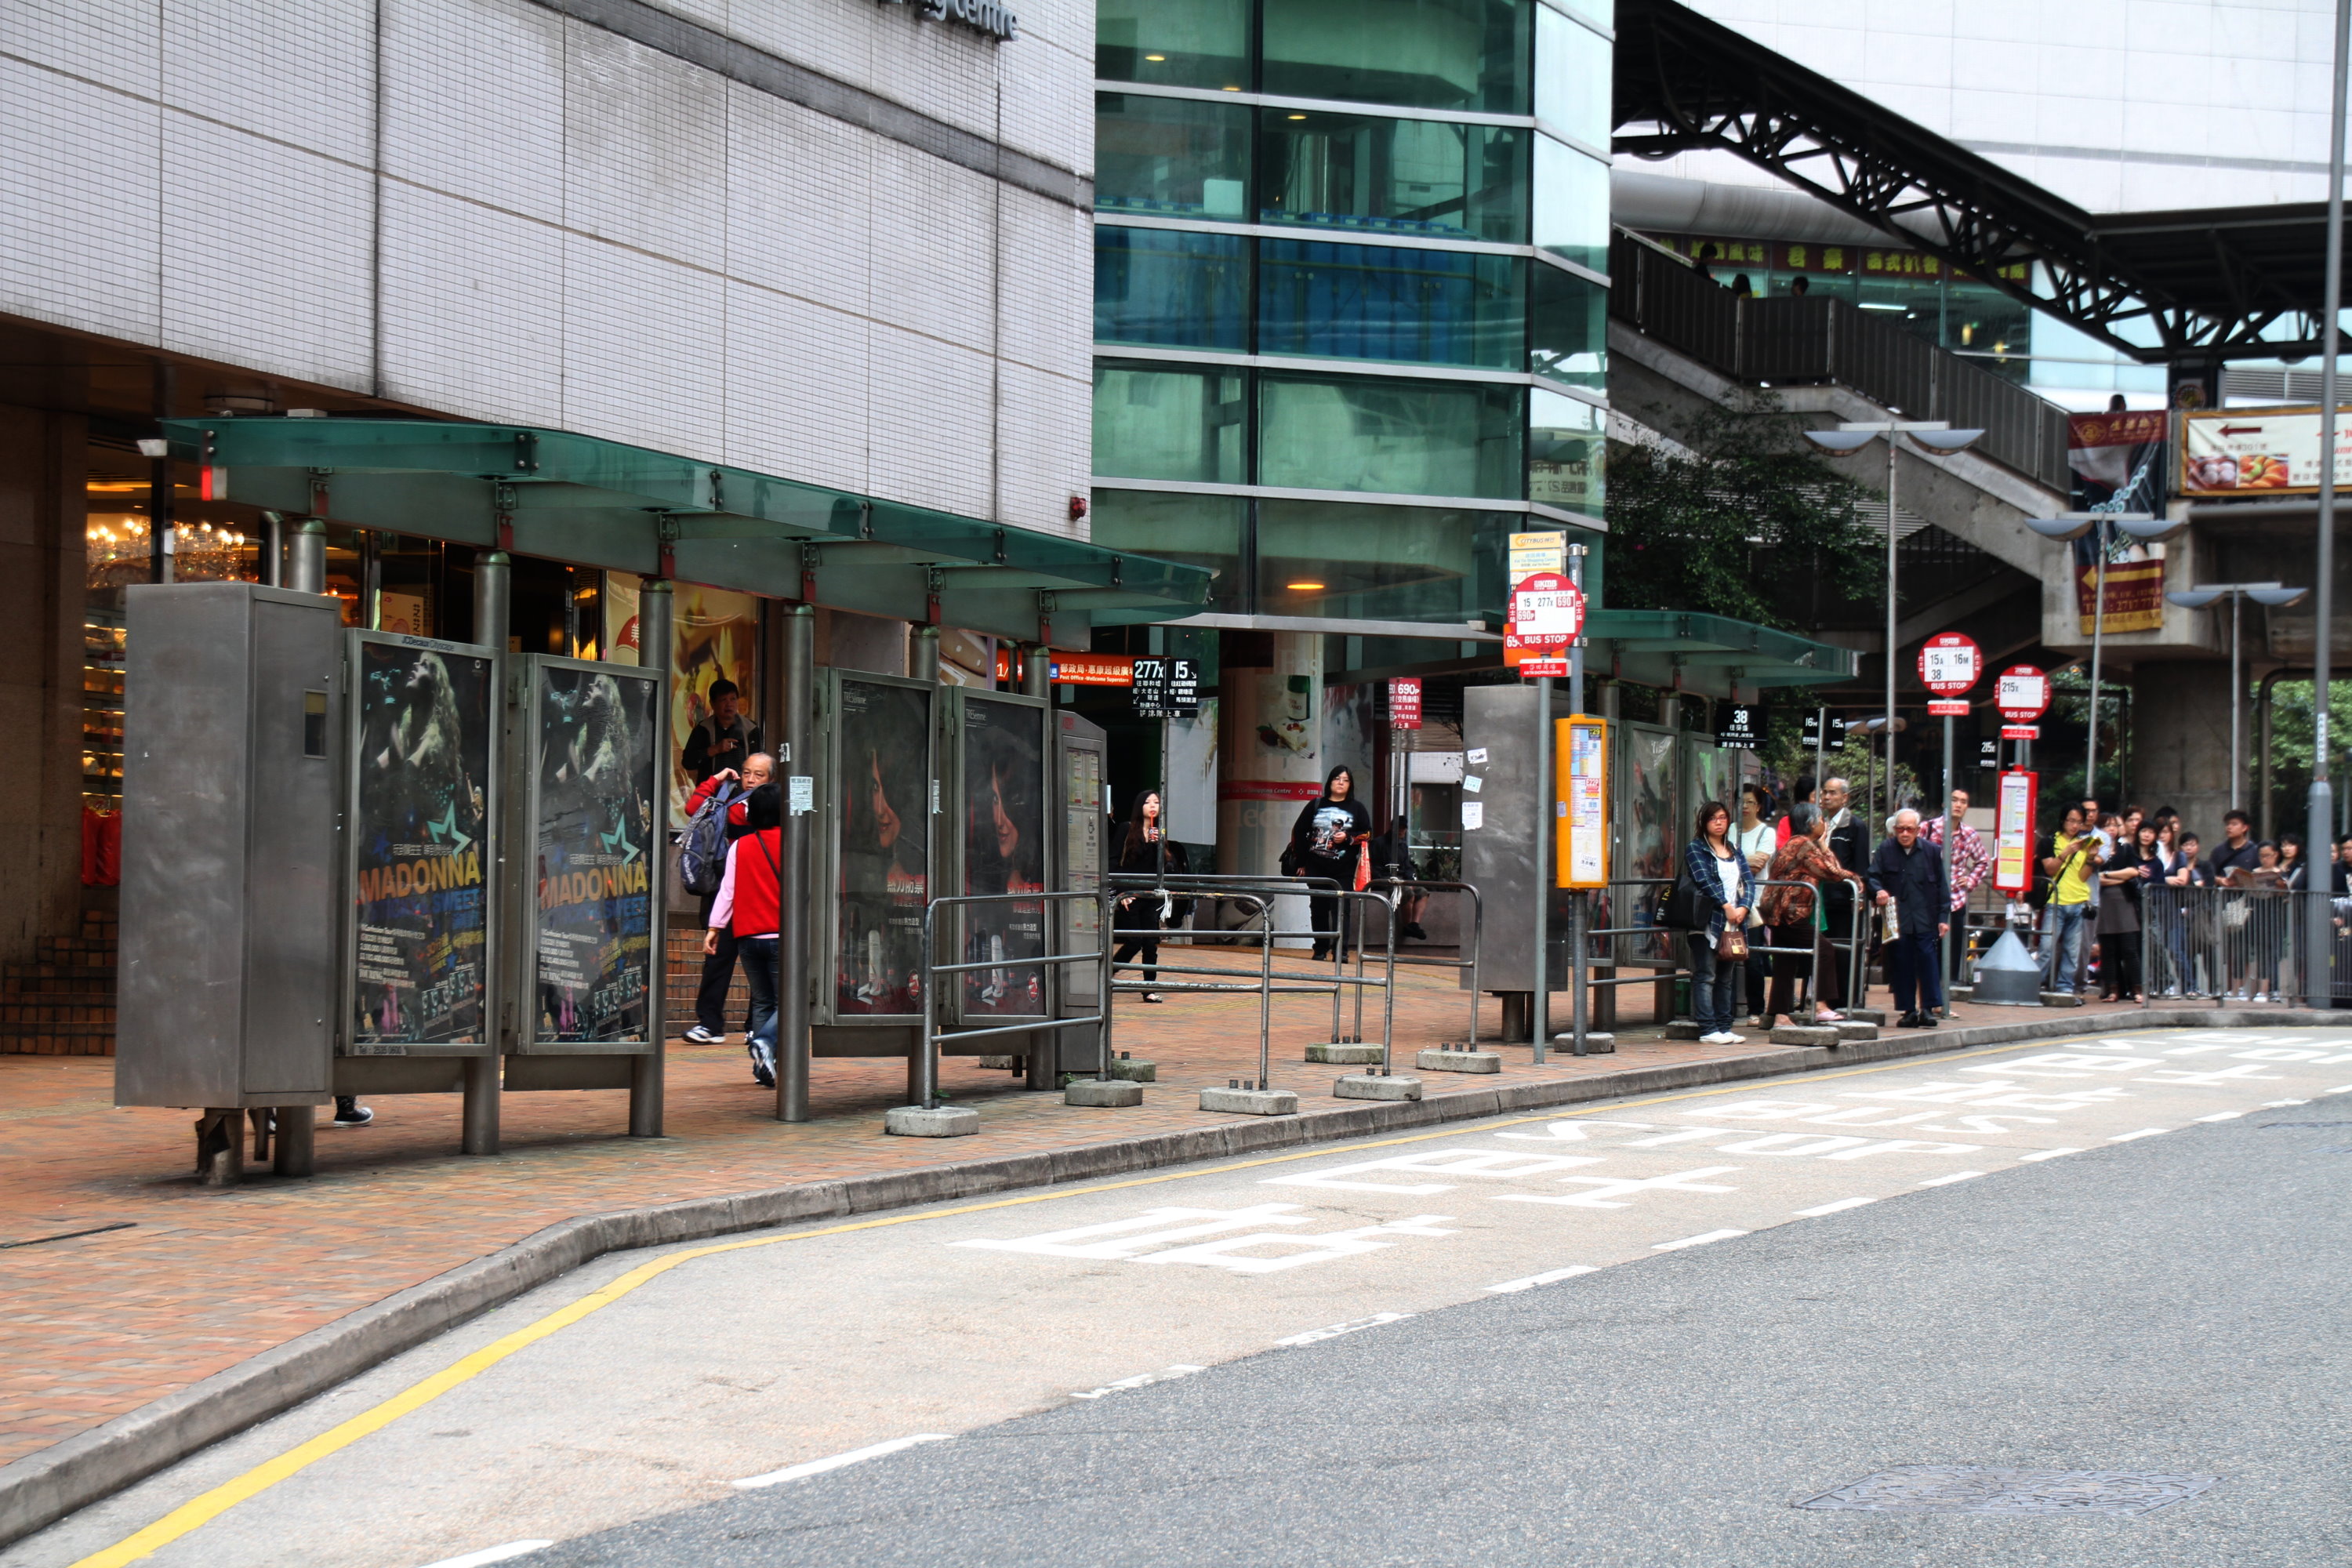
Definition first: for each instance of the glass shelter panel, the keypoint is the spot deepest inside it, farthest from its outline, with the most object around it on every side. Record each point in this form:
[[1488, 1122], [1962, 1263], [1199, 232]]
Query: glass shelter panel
[[422, 787], [1396, 437], [1003, 783], [595, 738], [1171, 156], [1198, 531], [1363, 302], [1338, 170], [881, 793], [1468, 55], [1171, 289]]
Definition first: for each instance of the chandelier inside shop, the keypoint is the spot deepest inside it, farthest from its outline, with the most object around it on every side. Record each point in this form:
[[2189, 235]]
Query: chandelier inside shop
[[201, 551]]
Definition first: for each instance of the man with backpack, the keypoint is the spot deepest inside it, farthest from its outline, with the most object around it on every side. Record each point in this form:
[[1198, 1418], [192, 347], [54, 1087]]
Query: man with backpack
[[726, 739], [715, 816]]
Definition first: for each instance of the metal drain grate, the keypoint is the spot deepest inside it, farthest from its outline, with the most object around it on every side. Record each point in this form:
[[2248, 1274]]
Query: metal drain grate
[[1972, 1488]]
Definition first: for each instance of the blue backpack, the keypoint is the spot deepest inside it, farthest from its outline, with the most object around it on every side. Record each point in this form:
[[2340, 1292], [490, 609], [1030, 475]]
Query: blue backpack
[[702, 848]]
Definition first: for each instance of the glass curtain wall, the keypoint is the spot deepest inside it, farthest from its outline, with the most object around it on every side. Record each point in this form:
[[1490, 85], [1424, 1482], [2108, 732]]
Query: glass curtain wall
[[1412, 191]]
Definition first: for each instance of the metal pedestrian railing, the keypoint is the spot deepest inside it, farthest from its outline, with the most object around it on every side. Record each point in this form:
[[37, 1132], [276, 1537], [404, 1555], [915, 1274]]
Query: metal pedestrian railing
[[925, 1079], [2229, 944], [1259, 923], [1646, 898], [1397, 889]]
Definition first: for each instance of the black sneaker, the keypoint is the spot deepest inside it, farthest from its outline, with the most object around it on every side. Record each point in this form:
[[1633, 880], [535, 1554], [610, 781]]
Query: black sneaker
[[699, 1035], [1927, 1021], [1909, 1021], [350, 1113]]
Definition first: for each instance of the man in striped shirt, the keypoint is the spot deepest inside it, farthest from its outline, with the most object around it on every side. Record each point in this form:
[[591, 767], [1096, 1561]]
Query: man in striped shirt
[[1966, 863]]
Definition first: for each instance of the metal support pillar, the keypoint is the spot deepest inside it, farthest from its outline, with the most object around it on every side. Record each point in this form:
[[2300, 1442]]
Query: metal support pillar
[[1951, 831], [160, 494], [799, 768], [1579, 901], [273, 549], [2319, 921], [1037, 681], [306, 560], [493, 574], [296, 1153], [1539, 1003], [1036, 670], [654, 611]]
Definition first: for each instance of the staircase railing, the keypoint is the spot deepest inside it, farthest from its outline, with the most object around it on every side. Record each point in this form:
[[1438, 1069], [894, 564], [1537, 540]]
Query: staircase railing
[[1793, 338]]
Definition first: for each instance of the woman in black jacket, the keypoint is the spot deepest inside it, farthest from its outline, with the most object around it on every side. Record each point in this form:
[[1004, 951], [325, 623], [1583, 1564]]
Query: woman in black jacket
[[1146, 850], [1323, 843]]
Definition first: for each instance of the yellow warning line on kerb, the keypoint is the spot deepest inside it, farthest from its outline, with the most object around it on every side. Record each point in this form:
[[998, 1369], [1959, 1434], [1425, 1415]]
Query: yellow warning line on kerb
[[201, 1510]]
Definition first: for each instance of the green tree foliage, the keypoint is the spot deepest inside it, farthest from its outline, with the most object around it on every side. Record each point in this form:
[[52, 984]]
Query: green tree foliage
[[2291, 748], [1736, 522]]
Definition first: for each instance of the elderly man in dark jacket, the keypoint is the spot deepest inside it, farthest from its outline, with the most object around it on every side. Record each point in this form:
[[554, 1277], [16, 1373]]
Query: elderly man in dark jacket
[[1908, 873]]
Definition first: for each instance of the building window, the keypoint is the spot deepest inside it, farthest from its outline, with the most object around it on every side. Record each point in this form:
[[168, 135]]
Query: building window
[[1567, 329], [1173, 42], [1574, 69], [1468, 55], [1171, 155], [1362, 301], [1412, 176], [1153, 421], [1566, 451], [1393, 438], [1382, 563], [1197, 530], [1572, 204], [1171, 288]]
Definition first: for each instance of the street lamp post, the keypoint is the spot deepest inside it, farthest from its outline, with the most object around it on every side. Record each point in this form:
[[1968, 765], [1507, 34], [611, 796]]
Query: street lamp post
[[2319, 929], [1934, 436], [2072, 525], [2197, 598]]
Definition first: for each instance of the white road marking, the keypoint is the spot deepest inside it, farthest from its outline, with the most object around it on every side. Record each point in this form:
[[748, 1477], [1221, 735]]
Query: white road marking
[[2277, 1104], [1833, 1208], [1699, 1240], [2143, 1133], [1947, 1181], [1142, 1380], [1532, 1281], [489, 1555], [1608, 1193], [2048, 1153], [2219, 1116], [855, 1455], [1313, 1336], [2340, 1088]]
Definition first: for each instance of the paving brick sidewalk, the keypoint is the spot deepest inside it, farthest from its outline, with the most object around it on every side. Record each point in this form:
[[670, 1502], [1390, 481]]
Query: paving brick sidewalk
[[96, 1326]]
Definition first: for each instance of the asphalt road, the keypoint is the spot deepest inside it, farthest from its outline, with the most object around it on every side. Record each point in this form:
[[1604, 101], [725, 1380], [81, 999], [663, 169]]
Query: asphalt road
[[1633, 1333]]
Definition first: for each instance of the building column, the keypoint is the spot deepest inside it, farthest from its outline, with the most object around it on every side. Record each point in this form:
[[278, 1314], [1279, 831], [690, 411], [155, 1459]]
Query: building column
[[44, 566], [1271, 752]]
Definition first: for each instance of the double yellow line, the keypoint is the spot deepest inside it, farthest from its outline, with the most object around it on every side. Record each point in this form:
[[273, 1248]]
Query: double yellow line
[[201, 1510]]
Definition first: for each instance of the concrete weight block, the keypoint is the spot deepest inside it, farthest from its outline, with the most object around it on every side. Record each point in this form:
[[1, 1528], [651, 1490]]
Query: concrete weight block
[[1251, 1101], [937, 1122], [1129, 1070], [1823, 1035], [1102, 1094], [1851, 1030], [1443, 1060], [1339, 1055], [1376, 1086]]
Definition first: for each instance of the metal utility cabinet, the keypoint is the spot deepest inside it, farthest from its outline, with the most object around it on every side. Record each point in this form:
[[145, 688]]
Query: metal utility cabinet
[[233, 706]]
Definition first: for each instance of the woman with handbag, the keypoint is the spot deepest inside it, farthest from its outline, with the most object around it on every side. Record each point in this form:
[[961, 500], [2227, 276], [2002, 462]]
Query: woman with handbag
[[1146, 850], [1324, 843], [1719, 948], [1797, 919]]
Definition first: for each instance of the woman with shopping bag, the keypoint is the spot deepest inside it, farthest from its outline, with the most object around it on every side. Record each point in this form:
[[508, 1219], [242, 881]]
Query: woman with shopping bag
[[1719, 948]]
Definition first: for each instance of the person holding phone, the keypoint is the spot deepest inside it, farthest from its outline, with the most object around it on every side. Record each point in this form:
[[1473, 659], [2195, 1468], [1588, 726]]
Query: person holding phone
[[1324, 841]]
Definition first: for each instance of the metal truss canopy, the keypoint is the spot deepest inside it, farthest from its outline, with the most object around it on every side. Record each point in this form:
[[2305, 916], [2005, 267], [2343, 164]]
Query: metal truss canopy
[[2181, 287], [603, 503]]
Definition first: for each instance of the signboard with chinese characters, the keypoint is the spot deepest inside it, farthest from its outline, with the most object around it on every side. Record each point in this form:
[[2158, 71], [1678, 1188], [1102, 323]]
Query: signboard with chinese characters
[[2259, 452], [1580, 750], [1166, 687], [1741, 725], [1404, 704]]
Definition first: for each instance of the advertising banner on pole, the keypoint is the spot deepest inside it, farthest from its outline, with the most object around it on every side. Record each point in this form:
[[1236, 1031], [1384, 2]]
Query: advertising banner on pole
[[595, 739], [2021, 693], [1404, 704], [421, 788], [2013, 810]]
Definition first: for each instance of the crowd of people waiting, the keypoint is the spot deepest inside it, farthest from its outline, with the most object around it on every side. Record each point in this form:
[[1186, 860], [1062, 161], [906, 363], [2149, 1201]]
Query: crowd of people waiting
[[1777, 903]]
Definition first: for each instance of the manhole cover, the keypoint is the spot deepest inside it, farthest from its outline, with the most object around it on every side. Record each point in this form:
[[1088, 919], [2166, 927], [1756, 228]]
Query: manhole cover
[[1972, 1488]]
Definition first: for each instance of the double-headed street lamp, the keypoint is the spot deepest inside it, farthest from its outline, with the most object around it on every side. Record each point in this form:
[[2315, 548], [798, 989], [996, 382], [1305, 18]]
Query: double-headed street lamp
[[2072, 525], [2197, 598], [1933, 436]]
